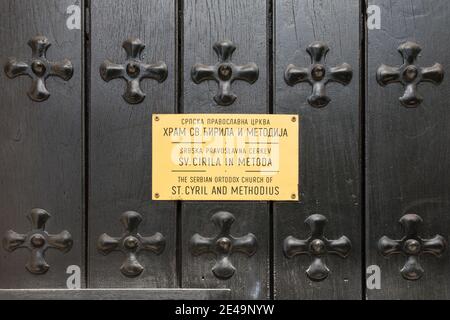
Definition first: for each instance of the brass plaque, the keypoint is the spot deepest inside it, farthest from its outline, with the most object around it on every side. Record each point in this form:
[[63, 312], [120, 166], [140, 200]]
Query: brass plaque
[[225, 157]]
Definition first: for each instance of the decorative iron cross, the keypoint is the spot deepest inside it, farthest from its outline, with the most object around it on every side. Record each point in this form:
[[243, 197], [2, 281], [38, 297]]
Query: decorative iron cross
[[318, 75], [131, 243], [410, 75], [317, 246], [225, 72], [133, 71], [412, 246], [223, 245], [39, 68], [37, 241]]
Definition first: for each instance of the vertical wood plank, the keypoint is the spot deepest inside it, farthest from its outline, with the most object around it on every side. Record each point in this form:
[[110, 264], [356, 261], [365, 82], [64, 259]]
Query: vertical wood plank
[[244, 23], [120, 140], [329, 151], [41, 143], [407, 149]]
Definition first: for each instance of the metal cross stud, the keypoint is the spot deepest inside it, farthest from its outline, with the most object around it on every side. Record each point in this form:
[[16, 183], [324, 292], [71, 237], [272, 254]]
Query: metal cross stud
[[317, 246], [410, 75], [412, 246], [318, 75], [225, 72], [37, 241], [223, 245], [39, 68], [131, 243], [133, 71]]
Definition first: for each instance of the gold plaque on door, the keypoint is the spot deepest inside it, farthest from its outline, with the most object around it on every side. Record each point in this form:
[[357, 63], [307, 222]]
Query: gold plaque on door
[[225, 157]]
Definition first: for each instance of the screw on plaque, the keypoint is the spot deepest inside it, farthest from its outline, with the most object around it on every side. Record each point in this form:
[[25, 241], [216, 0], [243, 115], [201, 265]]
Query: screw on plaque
[[223, 245], [37, 240], [133, 71], [412, 246], [131, 243], [318, 75], [225, 72], [410, 75], [317, 246], [39, 68]]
